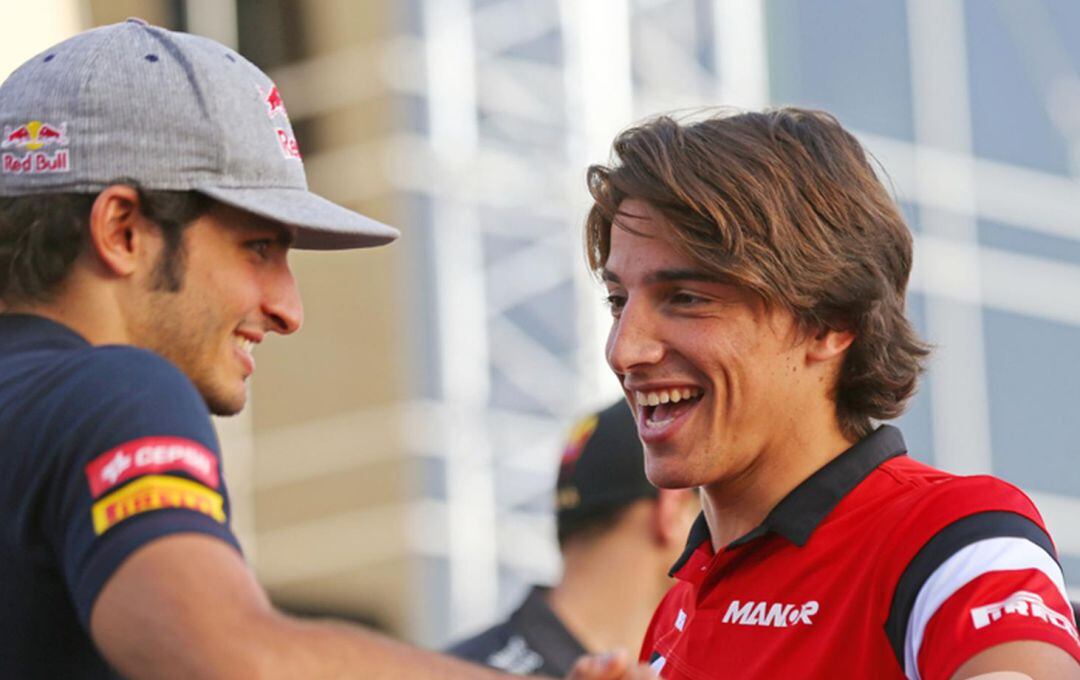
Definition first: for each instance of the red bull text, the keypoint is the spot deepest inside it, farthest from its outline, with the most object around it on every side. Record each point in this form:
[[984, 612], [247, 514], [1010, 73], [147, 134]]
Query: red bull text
[[33, 137]]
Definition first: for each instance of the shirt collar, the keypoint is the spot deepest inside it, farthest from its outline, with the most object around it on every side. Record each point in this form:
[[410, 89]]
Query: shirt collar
[[31, 330], [800, 512], [545, 633]]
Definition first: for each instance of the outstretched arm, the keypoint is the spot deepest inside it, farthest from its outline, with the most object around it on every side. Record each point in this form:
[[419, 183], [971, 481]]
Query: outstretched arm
[[188, 606]]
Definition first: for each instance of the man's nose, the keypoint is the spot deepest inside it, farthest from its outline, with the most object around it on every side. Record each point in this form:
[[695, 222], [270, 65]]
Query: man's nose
[[282, 304], [633, 340]]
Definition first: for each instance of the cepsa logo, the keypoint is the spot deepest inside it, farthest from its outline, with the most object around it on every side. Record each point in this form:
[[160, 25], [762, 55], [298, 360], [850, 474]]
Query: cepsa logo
[[33, 137], [151, 455]]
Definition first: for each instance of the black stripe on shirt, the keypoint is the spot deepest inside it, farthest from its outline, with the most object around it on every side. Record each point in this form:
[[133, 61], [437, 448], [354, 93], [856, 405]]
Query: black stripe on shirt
[[945, 544]]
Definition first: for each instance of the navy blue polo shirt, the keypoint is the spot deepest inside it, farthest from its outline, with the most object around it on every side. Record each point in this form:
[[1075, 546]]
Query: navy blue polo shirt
[[102, 450]]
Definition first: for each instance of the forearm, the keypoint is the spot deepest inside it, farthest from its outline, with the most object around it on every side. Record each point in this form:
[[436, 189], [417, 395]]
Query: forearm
[[187, 606], [329, 649]]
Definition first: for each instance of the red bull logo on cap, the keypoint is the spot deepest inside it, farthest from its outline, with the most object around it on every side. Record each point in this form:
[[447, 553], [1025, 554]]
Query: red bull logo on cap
[[288, 144], [33, 137], [275, 106], [274, 103]]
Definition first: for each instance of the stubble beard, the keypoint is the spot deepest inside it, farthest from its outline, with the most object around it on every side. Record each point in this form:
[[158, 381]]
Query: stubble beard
[[191, 339]]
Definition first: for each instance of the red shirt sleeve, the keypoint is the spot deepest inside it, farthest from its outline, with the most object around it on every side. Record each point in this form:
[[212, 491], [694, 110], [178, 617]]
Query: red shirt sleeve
[[991, 609]]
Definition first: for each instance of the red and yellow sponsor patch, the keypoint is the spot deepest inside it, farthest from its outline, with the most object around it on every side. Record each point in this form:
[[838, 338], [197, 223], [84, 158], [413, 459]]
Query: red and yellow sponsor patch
[[150, 455], [155, 492]]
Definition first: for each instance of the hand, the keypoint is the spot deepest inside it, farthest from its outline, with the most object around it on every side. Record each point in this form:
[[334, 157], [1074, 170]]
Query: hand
[[613, 665]]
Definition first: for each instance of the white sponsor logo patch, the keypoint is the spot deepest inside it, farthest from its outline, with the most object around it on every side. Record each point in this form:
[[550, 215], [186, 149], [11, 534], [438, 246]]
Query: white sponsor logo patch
[[771, 615], [116, 467], [680, 620], [516, 657], [1022, 603]]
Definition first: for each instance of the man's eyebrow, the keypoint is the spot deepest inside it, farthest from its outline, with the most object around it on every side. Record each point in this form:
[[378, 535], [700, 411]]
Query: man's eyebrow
[[672, 275], [284, 236], [669, 276]]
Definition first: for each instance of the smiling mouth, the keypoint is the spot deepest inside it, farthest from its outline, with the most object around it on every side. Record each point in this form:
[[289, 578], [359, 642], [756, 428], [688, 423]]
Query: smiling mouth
[[245, 346], [661, 407]]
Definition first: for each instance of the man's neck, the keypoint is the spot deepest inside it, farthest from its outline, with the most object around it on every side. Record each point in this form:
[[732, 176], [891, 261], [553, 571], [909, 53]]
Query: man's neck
[[607, 597], [735, 506], [93, 316]]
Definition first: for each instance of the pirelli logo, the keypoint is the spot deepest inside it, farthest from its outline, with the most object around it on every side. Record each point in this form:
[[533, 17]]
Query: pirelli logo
[[155, 492]]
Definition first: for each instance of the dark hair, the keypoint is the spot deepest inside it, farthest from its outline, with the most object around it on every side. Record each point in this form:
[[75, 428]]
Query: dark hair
[[587, 527], [42, 234], [785, 203]]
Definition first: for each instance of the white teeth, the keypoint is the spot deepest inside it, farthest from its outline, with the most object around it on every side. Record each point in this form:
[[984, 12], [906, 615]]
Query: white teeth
[[658, 423], [658, 397], [244, 343]]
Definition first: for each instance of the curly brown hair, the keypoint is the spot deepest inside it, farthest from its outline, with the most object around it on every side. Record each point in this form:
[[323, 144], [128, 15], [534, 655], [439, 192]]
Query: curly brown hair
[[786, 203]]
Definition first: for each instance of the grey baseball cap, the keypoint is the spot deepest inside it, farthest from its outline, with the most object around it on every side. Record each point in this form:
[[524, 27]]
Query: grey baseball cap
[[171, 111]]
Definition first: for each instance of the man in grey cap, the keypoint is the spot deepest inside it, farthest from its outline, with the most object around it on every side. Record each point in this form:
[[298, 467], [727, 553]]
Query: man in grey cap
[[150, 189]]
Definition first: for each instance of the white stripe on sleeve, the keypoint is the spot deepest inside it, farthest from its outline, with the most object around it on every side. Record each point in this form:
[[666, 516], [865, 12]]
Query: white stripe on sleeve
[[967, 564]]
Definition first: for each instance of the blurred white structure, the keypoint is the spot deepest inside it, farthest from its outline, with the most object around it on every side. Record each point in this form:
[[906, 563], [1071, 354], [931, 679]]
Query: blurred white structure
[[998, 238]]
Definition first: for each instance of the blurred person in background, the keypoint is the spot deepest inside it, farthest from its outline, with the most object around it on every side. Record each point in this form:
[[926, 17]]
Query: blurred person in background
[[756, 266], [618, 534], [150, 191]]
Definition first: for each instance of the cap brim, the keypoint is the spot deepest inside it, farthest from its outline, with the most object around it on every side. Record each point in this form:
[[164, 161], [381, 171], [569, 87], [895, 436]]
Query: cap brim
[[320, 224]]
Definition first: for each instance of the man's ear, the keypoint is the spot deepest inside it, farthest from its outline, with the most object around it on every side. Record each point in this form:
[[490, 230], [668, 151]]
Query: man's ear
[[828, 344], [117, 226], [670, 516]]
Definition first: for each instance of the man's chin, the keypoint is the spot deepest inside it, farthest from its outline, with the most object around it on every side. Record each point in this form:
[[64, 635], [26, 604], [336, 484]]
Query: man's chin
[[218, 408], [221, 403], [667, 476]]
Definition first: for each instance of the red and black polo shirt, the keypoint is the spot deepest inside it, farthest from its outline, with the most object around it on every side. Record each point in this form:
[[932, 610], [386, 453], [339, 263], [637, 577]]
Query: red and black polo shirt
[[875, 566]]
